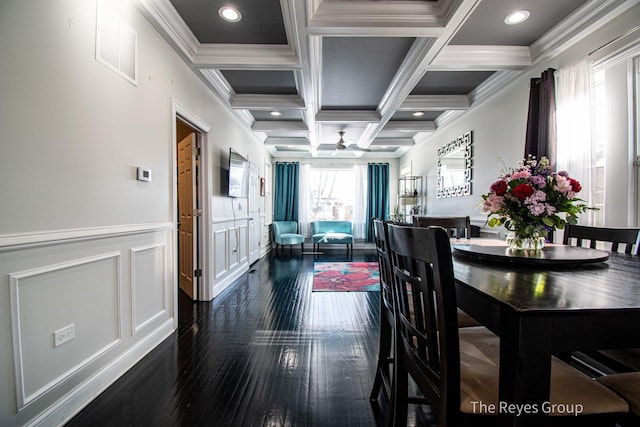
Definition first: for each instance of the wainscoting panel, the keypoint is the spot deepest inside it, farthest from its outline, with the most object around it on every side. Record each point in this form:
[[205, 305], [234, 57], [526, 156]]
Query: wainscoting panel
[[78, 308], [220, 244], [230, 257], [82, 295], [149, 285]]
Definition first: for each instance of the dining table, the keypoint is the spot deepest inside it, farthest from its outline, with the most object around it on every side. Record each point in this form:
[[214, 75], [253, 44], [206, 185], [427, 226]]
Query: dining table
[[543, 303]]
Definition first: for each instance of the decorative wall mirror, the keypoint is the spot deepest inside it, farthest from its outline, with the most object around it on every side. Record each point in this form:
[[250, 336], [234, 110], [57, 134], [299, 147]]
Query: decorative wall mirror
[[454, 167]]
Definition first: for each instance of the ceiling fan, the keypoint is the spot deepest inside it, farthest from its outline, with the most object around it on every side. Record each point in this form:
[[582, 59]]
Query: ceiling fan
[[341, 145]]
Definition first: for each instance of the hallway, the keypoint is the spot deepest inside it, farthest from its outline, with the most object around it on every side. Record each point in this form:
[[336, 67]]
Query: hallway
[[266, 352]]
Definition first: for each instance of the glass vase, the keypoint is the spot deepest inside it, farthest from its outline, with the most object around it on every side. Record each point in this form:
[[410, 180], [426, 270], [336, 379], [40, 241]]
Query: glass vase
[[525, 243]]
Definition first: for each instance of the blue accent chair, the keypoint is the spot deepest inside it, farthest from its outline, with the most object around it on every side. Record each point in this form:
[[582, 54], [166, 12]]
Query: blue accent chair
[[332, 231], [286, 233]]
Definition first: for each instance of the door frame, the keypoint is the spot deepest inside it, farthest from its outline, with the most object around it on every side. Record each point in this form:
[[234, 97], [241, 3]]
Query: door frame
[[180, 112]]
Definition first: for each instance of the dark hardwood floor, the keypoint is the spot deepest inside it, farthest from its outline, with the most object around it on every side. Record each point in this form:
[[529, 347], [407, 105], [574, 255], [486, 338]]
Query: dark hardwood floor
[[266, 352]]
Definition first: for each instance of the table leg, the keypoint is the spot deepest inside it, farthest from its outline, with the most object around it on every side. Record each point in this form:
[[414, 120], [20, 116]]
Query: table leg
[[525, 366]]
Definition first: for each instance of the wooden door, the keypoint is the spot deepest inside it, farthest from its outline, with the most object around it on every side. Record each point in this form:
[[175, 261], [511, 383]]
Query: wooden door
[[254, 214], [187, 222]]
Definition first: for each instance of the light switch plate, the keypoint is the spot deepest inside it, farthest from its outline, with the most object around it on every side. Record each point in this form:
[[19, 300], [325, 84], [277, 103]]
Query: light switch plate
[[144, 174]]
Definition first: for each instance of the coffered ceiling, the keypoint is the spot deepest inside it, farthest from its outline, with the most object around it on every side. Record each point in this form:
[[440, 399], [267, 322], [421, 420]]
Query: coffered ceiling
[[361, 66]]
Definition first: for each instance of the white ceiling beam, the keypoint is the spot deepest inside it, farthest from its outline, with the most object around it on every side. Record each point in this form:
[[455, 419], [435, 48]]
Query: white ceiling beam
[[353, 116], [410, 126], [418, 60], [247, 56], [392, 142], [287, 141], [464, 57], [435, 103], [413, 19], [278, 125], [267, 102]]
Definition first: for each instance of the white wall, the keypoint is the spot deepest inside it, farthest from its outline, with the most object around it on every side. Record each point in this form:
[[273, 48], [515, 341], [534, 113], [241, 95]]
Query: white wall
[[499, 128], [81, 240]]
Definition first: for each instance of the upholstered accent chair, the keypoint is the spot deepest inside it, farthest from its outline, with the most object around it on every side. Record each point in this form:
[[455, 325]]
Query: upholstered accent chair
[[286, 233]]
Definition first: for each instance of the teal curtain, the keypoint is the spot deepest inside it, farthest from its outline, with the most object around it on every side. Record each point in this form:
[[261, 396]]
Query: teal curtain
[[377, 194], [285, 203]]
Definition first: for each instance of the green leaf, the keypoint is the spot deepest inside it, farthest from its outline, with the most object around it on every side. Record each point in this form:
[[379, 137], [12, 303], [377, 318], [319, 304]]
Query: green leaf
[[548, 221]]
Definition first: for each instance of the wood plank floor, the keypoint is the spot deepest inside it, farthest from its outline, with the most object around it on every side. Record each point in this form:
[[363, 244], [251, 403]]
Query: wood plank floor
[[266, 352]]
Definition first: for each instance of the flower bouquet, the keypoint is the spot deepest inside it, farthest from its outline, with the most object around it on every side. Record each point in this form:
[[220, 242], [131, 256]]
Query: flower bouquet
[[528, 201]]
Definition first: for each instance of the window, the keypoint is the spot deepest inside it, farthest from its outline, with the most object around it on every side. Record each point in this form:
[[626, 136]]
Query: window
[[332, 194], [599, 148]]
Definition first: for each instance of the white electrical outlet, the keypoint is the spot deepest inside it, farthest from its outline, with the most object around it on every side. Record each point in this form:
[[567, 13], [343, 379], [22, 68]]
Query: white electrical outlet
[[63, 335]]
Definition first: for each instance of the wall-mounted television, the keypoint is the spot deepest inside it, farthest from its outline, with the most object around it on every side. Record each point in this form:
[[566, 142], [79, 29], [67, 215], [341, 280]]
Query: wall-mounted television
[[238, 175]]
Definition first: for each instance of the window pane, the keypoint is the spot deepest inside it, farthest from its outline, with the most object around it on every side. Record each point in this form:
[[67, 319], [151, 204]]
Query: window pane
[[332, 194]]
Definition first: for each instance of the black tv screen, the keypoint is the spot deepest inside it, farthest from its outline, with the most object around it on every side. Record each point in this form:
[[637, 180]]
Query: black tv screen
[[238, 175]]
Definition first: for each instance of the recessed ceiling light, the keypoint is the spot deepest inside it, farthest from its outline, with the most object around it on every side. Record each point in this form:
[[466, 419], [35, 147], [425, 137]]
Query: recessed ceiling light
[[229, 13], [516, 17], [418, 114], [275, 113]]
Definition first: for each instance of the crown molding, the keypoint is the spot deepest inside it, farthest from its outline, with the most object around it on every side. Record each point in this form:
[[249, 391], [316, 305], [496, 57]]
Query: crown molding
[[465, 57], [164, 17], [586, 20], [298, 142], [410, 126], [435, 103], [267, 102], [392, 142], [279, 125], [246, 56], [290, 25], [493, 85], [340, 116], [219, 84], [414, 19]]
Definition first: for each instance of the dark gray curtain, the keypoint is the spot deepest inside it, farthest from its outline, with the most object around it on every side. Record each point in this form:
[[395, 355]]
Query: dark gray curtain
[[285, 203], [541, 120], [377, 194]]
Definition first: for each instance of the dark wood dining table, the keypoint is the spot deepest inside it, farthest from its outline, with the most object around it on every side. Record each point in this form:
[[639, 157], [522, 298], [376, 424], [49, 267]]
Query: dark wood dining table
[[539, 309]]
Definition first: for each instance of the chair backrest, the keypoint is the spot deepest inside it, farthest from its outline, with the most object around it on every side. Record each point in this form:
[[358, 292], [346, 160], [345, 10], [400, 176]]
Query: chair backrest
[[620, 238], [284, 227], [461, 224], [333, 226], [381, 239], [426, 314]]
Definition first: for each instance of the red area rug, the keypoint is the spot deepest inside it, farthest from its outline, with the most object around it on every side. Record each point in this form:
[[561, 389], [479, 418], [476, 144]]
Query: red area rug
[[346, 276]]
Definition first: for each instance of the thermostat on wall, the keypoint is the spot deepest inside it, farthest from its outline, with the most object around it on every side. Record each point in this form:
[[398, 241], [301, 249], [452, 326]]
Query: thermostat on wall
[[144, 174]]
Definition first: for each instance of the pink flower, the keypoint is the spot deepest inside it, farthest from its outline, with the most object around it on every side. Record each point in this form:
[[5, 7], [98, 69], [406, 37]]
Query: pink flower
[[563, 184], [538, 181], [537, 209], [524, 173], [493, 203]]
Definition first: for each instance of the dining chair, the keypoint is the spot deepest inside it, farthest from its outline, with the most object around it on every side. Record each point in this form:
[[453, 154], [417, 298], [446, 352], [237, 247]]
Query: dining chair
[[620, 238], [455, 368], [457, 224], [384, 366], [387, 321], [627, 386]]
